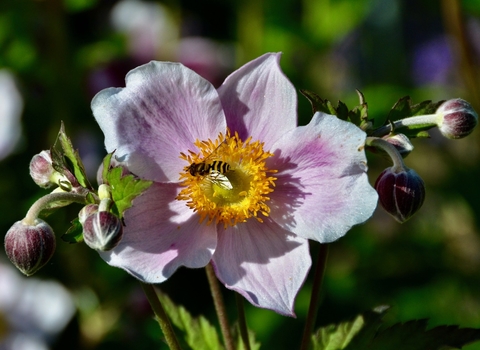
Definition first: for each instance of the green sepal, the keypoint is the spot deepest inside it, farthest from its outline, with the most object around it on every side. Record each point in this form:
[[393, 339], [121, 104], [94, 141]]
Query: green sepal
[[65, 157], [124, 189], [74, 234], [196, 332]]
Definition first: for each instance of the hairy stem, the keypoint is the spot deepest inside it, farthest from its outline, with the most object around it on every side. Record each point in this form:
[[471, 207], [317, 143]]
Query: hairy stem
[[430, 120], [315, 296], [53, 197], [219, 307], [242, 322], [161, 316], [398, 164]]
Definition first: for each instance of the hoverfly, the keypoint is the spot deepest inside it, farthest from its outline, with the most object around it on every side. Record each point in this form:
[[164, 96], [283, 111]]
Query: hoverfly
[[215, 170]]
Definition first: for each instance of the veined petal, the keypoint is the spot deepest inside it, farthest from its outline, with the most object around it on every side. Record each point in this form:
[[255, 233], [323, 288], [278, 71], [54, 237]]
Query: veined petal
[[259, 101], [322, 188], [160, 235], [162, 110], [262, 262]]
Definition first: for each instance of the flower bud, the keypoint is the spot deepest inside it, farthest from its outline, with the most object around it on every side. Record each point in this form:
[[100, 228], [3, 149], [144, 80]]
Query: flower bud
[[30, 247], [41, 169], [102, 230], [458, 118], [401, 143], [86, 211], [401, 194]]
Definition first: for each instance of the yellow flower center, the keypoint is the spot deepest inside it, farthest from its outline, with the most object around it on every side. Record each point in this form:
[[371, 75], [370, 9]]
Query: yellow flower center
[[227, 180]]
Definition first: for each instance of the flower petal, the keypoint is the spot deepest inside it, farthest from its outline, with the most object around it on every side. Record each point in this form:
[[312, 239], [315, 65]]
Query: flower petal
[[259, 101], [164, 108], [322, 188], [262, 262], [160, 235]]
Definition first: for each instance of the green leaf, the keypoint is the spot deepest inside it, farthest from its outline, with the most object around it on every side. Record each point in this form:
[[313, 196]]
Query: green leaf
[[254, 345], [411, 335], [334, 337], [124, 189], [319, 104], [197, 332], [74, 234], [404, 108], [68, 159], [106, 166]]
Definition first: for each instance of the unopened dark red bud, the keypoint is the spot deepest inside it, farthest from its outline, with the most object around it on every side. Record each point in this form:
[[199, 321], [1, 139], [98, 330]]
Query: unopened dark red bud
[[459, 118], [30, 247], [102, 231], [400, 194]]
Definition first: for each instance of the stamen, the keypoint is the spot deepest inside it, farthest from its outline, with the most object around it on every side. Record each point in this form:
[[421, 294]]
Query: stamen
[[227, 180]]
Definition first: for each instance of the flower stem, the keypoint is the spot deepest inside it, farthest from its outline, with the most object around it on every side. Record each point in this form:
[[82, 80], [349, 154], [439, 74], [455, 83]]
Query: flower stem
[[315, 296], [161, 316], [53, 197], [428, 120], [398, 164], [219, 307], [242, 322]]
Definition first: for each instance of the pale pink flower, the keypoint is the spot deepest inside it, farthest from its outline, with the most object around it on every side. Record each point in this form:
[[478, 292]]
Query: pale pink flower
[[285, 185]]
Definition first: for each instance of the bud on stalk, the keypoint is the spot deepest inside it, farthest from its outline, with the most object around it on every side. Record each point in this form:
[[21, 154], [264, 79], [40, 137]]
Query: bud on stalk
[[458, 118], [400, 193], [30, 247], [102, 230]]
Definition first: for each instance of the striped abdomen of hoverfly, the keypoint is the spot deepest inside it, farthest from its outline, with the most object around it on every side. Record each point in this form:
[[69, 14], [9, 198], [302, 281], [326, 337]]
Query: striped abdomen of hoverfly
[[204, 168]]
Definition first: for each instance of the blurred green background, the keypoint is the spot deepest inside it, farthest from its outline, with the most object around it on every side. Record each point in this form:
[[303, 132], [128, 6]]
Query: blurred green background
[[61, 52]]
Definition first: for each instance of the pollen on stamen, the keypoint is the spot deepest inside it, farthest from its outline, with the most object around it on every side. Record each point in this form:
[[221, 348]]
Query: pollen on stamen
[[239, 188]]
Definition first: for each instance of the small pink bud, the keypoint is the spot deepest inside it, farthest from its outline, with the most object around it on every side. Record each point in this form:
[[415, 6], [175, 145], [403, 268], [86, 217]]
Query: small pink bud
[[459, 118], [102, 231], [86, 211], [401, 143], [41, 169], [30, 247], [400, 194]]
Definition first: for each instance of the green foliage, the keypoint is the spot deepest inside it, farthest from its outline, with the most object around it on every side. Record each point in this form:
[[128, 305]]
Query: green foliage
[[124, 189], [365, 333], [358, 115], [198, 333], [74, 234], [404, 108]]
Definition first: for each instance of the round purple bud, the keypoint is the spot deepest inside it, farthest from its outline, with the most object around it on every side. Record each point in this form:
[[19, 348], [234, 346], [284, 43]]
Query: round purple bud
[[401, 194], [458, 118], [30, 247], [41, 169], [102, 231]]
